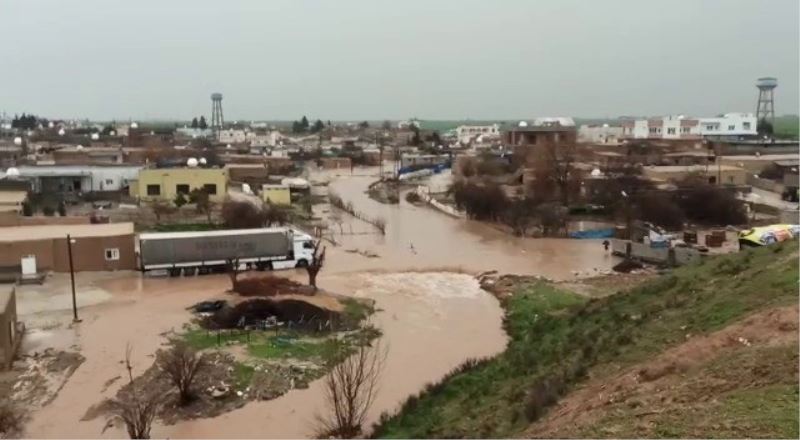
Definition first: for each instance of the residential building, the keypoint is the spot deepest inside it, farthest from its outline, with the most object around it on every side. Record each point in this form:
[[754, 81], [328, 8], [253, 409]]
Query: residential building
[[232, 136], [95, 247], [11, 330], [166, 183], [78, 155], [714, 173], [276, 194], [467, 133], [78, 179], [729, 125], [335, 163], [422, 160], [600, 134]]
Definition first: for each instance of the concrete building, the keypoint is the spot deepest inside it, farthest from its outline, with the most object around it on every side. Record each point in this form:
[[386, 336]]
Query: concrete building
[[95, 247], [725, 174], [166, 183], [11, 330], [335, 163], [79, 178], [729, 125], [755, 164], [600, 134], [467, 133], [276, 194], [11, 200], [232, 136], [422, 160], [89, 156]]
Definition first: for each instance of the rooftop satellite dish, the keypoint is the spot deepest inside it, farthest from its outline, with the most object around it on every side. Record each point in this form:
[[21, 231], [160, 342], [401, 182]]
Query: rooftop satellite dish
[[228, 146], [191, 163], [112, 133], [246, 189], [79, 147], [523, 124], [134, 125], [61, 132], [12, 172], [203, 161], [50, 124], [95, 136], [17, 140], [596, 173]]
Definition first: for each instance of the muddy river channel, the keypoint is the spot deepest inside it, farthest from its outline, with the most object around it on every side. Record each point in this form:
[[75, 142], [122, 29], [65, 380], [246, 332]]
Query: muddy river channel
[[431, 310]]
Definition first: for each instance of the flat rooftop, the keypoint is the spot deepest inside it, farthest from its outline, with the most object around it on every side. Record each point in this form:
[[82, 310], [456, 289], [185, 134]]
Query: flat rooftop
[[12, 197], [690, 168], [12, 234], [764, 157]]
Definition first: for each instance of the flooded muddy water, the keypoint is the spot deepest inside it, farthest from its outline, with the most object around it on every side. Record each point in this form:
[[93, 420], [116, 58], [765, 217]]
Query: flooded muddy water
[[433, 318]]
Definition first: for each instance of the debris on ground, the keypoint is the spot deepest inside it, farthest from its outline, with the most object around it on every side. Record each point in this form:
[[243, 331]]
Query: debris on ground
[[626, 266]]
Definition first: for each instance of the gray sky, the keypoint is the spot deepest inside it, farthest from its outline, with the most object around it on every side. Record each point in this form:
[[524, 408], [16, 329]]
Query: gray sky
[[375, 59]]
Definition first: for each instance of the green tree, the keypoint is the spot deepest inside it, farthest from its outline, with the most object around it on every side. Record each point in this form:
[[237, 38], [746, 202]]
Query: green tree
[[387, 125], [364, 124], [202, 123], [180, 200], [304, 123], [195, 123], [318, 126]]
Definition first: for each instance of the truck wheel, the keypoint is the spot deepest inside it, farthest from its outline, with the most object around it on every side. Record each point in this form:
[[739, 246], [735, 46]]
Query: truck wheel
[[188, 271], [202, 271], [302, 263], [264, 265], [175, 272]]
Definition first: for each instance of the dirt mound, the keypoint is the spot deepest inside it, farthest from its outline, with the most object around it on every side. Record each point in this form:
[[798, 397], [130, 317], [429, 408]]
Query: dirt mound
[[269, 285], [679, 378], [627, 266], [294, 313]]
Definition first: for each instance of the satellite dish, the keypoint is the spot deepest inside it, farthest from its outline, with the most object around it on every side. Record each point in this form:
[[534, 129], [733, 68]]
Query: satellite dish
[[246, 189], [134, 125], [95, 136], [596, 173], [112, 133], [203, 161], [61, 132], [12, 172], [17, 140], [79, 147], [50, 124], [523, 124], [191, 163], [228, 146]]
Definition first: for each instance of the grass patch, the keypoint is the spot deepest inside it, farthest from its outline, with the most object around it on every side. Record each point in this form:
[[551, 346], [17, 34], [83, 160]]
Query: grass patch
[[557, 336]]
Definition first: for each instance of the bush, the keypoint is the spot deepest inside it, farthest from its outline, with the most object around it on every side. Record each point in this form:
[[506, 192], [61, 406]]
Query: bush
[[27, 209], [180, 200], [413, 197], [48, 211], [711, 205], [480, 201], [242, 215], [661, 210]]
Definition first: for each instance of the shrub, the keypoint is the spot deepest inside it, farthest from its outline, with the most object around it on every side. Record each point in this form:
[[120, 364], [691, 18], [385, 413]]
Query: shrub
[[413, 197], [480, 201], [48, 211], [712, 205], [661, 210]]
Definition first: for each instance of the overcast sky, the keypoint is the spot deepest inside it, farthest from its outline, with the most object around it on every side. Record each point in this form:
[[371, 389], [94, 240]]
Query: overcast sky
[[376, 59]]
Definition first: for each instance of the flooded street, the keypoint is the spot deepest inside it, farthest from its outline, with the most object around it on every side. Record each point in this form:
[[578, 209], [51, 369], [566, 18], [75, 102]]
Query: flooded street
[[432, 316]]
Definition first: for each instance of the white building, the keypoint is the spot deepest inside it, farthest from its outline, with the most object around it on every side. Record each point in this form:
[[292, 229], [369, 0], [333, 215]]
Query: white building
[[682, 127], [232, 136], [468, 133], [600, 134], [79, 178]]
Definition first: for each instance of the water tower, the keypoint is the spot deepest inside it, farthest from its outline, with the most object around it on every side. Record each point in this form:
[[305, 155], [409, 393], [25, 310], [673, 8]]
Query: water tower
[[217, 120], [766, 99]]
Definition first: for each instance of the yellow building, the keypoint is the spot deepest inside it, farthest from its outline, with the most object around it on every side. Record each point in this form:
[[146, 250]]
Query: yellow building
[[725, 174], [166, 183], [276, 194]]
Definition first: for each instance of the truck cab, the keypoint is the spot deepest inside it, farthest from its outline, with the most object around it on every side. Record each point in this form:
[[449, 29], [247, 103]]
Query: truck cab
[[303, 249]]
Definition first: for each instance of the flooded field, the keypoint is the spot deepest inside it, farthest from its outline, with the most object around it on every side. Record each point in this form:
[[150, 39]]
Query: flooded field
[[431, 310]]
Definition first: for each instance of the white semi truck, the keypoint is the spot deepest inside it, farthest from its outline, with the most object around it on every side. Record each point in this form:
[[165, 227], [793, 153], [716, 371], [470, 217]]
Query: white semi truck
[[204, 252]]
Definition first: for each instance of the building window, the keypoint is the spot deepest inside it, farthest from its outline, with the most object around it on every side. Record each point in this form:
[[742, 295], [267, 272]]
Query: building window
[[210, 188], [670, 131], [746, 125], [153, 190], [731, 127], [112, 254], [109, 181], [684, 129], [182, 189]]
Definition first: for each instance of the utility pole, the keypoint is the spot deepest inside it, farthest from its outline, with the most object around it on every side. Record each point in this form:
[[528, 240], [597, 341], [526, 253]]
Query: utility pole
[[72, 280]]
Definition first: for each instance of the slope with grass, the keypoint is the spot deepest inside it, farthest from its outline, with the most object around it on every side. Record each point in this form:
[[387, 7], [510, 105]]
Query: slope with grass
[[698, 352]]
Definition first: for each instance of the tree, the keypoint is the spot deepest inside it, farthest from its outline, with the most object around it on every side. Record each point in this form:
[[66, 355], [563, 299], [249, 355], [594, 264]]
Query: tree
[[62, 209], [195, 123], [659, 209], [181, 364], [364, 125], [27, 209], [416, 139], [350, 390], [241, 214], [387, 125], [318, 126], [135, 409], [202, 123], [519, 216], [555, 174], [202, 202], [180, 200], [274, 214], [48, 211], [161, 208], [485, 201], [304, 123], [315, 265], [711, 205], [232, 268]]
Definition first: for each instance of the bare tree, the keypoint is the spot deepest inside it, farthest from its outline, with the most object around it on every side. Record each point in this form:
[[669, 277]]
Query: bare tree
[[315, 265], [161, 208], [241, 214], [350, 390], [202, 202], [232, 267], [135, 409], [181, 363]]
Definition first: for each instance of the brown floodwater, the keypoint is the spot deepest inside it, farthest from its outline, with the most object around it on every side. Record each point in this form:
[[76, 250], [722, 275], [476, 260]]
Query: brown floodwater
[[433, 318]]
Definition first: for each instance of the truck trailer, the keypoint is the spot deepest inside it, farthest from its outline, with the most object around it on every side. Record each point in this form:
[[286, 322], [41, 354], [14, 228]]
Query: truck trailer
[[203, 252]]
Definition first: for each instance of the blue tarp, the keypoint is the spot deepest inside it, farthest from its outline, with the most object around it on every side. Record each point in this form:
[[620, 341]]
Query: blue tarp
[[593, 233]]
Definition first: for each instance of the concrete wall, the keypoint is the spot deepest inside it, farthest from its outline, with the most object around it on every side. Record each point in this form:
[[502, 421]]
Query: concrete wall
[[10, 331], [276, 195], [643, 252], [14, 219], [88, 253], [765, 184], [424, 194]]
